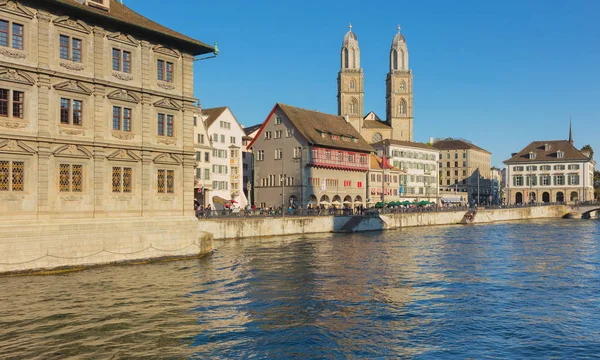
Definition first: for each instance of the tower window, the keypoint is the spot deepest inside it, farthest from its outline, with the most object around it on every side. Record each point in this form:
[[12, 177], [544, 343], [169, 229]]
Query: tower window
[[352, 107], [395, 59], [346, 58], [402, 86], [402, 107], [352, 84], [353, 59]]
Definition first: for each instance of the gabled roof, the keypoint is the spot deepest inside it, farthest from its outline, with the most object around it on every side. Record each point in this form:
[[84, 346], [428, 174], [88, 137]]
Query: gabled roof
[[317, 128], [372, 116], [212, 115], [375, 124], [250, 129], [376, 163], [120, 15], [543, 153], [386, 142], [457, 144]]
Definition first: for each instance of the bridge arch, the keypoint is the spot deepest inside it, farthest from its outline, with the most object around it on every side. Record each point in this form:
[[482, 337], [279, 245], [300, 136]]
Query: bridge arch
[[519, 197], [560, 197], [546, 197]]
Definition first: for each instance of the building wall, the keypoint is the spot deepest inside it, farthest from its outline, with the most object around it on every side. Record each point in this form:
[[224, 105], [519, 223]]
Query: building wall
[[582, 191], [203, 149], [227, 154], [463, 167], [42, 143]]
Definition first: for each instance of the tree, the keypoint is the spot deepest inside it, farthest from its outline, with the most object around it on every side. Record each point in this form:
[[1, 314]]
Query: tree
[[597, 184], [588, 147]]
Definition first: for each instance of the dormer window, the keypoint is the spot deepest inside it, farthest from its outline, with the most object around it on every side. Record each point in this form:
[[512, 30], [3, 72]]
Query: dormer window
[[560, 154], [102, 4], [546, 147], [532, 155]]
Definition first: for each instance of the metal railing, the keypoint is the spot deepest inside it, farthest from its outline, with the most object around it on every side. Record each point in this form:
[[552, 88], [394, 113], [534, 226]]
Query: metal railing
[[276, 212]]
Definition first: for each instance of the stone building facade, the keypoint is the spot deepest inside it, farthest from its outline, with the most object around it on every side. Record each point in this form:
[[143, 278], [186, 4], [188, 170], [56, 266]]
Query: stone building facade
[[418, 164], [305, 157], [550, 171], [398, 124], [95, 121], [465, 167]]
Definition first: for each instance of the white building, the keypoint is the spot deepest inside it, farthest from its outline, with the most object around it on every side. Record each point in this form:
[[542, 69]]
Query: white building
[[203, 148], [419, 168], [550, 171], [248, 162], [226, 175]]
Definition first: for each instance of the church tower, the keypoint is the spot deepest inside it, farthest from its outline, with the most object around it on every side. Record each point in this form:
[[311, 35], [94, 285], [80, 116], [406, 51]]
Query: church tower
[[399, 95], [350, 82]]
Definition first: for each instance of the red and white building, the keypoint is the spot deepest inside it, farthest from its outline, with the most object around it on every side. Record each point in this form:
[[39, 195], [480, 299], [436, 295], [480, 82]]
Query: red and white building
[[304, 157]]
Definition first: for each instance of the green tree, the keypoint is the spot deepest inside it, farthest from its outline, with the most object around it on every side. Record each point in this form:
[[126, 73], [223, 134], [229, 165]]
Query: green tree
[[597, 184], [588, 147]]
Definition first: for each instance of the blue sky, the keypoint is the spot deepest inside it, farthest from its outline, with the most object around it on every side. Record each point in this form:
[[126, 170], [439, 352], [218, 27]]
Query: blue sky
[[500, 74]]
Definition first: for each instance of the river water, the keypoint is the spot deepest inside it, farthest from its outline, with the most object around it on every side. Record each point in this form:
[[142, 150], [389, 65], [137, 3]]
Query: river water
[[507, 290]]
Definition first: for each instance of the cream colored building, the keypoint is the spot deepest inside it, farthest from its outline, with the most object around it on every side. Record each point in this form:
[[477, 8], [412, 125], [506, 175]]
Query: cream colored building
[[383, 181], [227, 166], [203, 148], [96, 112], [550, 171], [418, 164], [465, 167], [398, 124]]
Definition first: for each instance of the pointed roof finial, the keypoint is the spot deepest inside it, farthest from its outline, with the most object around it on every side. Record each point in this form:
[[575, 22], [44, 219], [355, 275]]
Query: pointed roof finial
[[398, 28], [570, 129], [350, 26]]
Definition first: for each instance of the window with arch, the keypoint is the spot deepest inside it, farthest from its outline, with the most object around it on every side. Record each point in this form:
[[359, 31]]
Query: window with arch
[[353, 59], [402, 60], [352, 84], [376, 137], [402, 107], [352, 107], [346, 58], [402, 86], [395, 59]]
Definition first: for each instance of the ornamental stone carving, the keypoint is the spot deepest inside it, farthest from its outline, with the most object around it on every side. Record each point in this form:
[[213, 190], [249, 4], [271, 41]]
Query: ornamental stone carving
[[13, 197], [122, 197], [122, 76], [166, 198], [12, 53], [166, 86], [72, 131], [71, 65], [167, 141], [13, 124], [44, 16], [71, 198], [122, 136]]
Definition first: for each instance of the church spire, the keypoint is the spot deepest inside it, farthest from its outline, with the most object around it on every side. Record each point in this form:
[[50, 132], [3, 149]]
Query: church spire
[[570, 129]]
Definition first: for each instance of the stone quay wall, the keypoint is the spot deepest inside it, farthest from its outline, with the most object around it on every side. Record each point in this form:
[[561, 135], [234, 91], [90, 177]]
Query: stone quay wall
[[44, 245], [29, 246]]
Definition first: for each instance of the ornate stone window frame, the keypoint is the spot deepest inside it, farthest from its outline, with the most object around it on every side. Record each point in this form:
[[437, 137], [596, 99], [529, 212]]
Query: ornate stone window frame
[[15, 80], [73, 155], [73, 29], [74, 90], [124, 42], [168, 107], [15, 150], [125, 99]]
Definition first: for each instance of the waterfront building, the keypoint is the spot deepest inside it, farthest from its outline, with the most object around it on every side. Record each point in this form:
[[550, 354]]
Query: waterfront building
[[248, 161], [465, 167], [203, 148], [398, 124], [96, 112], [550, 171], [383, 181], [497, 184], [419, 165], [305, 157], [227, 137]]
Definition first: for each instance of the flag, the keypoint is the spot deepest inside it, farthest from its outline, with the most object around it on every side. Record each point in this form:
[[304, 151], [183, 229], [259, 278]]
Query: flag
[[401, 191], [324, 185]]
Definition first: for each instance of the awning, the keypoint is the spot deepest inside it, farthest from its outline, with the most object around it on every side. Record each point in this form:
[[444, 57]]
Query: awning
[[451, 200], [219, 200]]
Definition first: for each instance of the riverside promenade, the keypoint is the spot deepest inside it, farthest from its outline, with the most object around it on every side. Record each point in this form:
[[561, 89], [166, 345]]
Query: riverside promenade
[[116, 241]]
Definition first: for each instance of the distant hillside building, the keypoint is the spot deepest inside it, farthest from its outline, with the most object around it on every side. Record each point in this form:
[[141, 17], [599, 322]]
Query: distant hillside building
[[550, 171], [305, 157], [465, 167]]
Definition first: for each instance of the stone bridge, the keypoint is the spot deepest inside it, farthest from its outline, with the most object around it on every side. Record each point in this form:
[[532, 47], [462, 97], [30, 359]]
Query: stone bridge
[[583, 211]]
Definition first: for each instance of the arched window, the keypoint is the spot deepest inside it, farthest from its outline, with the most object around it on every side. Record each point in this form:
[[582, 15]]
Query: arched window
[[352, 84], [376, 137], [402, 60], [394, 59], [353, 59], [402, 86], [346, 58], [402, 107], [352, 107]]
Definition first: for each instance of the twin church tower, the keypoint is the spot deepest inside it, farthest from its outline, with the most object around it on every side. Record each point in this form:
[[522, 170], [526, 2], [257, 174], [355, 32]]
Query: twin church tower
[[398, 124]]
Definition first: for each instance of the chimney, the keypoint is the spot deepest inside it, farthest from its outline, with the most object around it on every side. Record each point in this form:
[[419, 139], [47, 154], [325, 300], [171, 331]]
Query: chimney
[[347, 118]]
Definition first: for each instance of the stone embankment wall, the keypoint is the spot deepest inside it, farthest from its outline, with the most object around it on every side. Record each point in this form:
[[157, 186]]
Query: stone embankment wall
[[42, 245], [36, 245]]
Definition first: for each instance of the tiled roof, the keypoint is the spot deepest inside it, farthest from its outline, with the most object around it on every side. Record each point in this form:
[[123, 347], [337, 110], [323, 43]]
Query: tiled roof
[[376, 163], [120, 14], [212, 114], [250, 129], [314, 123], [374, 124], [543, 153], [404, 143], [455, 144]]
